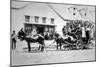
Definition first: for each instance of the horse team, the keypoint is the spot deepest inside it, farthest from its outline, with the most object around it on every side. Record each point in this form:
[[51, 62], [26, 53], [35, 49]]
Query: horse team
[[76, 36]]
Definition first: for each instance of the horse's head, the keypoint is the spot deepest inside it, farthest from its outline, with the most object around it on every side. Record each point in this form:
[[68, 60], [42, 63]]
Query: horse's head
[[21, 35]]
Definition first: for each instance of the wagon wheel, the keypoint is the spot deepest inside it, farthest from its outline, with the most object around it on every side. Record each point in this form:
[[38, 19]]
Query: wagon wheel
[[79, 44]]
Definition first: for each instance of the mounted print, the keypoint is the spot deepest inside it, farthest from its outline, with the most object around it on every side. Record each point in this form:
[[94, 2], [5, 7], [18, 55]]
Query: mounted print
[[52, 33]]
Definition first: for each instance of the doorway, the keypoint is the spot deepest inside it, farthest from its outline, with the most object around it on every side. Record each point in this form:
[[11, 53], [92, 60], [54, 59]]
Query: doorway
[[40, 29]]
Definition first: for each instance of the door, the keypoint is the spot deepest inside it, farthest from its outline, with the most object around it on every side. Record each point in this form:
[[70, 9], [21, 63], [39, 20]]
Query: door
[[40, 29]]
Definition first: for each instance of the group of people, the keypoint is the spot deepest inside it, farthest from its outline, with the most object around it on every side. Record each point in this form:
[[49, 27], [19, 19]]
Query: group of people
[[21, 34], [83, 31], [80, 30], [48, 35]]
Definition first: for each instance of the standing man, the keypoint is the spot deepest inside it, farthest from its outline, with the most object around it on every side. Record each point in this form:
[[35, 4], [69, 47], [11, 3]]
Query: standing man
[[83, 33], [87, 33], [13, 38], [58, 40]]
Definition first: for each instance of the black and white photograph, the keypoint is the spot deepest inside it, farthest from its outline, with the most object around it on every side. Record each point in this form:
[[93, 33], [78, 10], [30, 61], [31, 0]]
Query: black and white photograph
[[51, 33]]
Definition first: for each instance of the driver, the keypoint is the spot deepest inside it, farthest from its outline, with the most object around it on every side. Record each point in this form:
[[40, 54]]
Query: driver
[[34, 35]]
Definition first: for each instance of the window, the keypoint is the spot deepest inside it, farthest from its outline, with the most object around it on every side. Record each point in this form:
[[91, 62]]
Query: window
[[52, 20], [44, 19], [36, 19], [27, 18]]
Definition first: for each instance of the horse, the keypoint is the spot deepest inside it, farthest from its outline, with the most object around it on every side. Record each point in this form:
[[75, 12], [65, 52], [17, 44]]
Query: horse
[[67, 42], [40, 39]]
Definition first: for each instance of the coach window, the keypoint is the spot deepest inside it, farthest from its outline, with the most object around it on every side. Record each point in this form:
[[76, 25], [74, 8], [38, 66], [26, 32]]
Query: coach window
[[27, 18], [52, 20], [36, 19], [44, 19]]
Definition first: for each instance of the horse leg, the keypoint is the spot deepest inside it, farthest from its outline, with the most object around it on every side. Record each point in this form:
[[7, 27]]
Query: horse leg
[[60, 45], [57, 45], [39, 47], [42, 48], [42, 45], [29, 47]]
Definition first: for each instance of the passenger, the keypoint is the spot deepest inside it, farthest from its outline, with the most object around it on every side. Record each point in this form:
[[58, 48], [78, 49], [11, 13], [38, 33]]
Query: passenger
[[87, 33], [83, 34]]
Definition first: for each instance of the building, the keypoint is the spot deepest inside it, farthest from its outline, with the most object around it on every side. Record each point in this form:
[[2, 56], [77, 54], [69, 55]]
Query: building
[[37, 24], [39, 17]]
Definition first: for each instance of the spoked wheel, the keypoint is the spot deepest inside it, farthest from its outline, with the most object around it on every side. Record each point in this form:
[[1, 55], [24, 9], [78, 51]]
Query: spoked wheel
[[79, 44]]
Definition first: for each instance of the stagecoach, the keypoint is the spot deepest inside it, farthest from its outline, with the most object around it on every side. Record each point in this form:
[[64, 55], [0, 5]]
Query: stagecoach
[[67, 42]]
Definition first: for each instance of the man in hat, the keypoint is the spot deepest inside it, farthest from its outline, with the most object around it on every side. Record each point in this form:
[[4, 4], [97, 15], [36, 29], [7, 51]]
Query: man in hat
[[13, 38]]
